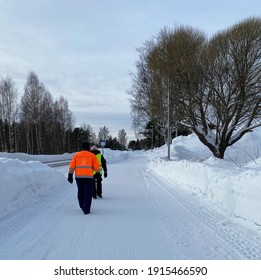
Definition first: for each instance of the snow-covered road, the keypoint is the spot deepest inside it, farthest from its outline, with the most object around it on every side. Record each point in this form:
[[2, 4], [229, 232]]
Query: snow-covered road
[[141, 216]]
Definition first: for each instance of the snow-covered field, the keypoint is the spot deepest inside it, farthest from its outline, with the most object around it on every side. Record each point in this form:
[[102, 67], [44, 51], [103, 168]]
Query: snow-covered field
[[192, 207]]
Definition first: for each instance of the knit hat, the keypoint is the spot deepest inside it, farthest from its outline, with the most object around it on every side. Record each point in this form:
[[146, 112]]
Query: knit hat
[[86, 146]]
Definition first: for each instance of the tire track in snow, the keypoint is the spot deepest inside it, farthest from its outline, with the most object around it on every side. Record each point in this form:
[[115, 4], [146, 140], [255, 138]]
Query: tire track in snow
[[247, 245], [30, 227], [12, 223], [187, 237]]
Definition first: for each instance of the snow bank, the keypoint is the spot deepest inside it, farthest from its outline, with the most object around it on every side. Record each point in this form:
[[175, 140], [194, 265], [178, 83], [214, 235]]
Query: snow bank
[[232, 184], [114, 156], [42, 158], [233, 189], [24, 182]]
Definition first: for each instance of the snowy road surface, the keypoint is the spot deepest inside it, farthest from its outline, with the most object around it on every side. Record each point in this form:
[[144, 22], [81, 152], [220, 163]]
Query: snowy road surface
[[141, 216]]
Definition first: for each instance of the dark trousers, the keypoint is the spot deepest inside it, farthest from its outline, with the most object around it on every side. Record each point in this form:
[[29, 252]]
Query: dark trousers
[[85, 189], [97, 186]]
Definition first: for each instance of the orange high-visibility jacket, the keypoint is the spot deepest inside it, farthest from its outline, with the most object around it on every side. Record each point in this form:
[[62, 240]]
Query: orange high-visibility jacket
[[83, 164]]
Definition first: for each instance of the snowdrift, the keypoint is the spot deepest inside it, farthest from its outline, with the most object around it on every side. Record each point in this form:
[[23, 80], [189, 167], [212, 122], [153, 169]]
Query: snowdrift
[[22, 183], [232, 184]]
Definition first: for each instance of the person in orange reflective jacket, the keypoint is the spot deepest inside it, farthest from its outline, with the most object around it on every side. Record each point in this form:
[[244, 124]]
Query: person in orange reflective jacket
[[83, 164]]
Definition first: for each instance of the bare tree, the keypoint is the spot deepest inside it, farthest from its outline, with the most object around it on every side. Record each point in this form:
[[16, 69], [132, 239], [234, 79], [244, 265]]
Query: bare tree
[[150, 88], [104, 133], [155, 93], [30, 112], [122, 138], [8, 109], [213, 86], [64, 122], [47, 123], [225, 104], [92, 136]]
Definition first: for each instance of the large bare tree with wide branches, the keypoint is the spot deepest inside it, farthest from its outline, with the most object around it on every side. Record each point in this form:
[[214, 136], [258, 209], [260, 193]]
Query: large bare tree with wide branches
[[214, 85]]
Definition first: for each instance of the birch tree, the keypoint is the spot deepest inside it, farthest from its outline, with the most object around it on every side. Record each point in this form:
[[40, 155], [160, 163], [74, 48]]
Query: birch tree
[[104, 133], [122, 138], [30, 112], [8, 111]]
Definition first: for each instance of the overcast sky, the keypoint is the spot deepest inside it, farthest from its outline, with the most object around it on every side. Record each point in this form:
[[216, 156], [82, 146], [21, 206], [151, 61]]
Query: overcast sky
[[85, 50]]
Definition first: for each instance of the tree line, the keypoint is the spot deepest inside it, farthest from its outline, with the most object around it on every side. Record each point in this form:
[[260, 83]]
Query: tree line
[[186, 82], [41, 124]]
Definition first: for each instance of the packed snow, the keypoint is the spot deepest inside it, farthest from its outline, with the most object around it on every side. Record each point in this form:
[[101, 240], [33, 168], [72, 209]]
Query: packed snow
[[193, 206], [233, 184]]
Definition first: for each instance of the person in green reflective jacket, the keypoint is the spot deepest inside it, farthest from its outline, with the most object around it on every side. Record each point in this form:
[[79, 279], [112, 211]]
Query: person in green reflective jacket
[[97, 188]]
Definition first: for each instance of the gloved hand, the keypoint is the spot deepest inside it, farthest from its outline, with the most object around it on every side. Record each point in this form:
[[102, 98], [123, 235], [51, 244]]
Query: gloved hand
[[70, 178], [98, 175], [105, 174]]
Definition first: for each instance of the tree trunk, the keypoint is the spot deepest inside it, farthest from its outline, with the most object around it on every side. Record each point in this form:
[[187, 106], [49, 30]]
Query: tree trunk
[[217, 150]]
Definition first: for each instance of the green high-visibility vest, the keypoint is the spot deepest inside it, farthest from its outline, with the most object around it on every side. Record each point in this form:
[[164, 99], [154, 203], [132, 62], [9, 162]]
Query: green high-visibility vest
[[99, 159]]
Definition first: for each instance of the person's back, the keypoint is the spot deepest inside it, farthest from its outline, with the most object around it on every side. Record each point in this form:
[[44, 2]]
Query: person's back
[[84, 164]]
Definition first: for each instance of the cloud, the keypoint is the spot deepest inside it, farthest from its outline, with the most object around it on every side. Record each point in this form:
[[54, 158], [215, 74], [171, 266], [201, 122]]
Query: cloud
[[84, 50], [113, 120]]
